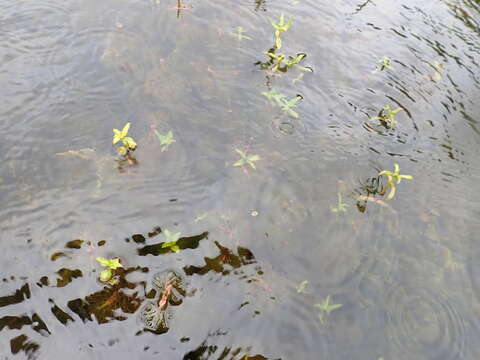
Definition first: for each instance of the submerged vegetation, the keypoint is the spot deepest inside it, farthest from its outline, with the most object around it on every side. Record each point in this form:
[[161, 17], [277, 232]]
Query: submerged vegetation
[[165, 140], [326, 308], [246, 159]]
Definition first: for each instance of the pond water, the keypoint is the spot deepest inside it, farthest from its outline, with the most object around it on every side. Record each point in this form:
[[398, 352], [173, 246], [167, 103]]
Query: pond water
[[265, 230]]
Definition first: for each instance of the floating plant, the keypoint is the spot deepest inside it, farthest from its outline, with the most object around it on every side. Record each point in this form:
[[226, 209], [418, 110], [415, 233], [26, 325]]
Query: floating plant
[[387, 116], [393, 178], [280, 27], [384, 63], [171, 242], [111, 265], [128, 143]]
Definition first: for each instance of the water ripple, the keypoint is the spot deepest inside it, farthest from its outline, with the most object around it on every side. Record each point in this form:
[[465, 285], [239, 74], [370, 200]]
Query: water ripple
[[424, 324]]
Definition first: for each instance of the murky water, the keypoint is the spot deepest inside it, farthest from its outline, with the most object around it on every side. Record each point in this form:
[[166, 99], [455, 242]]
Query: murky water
[[263, 255]]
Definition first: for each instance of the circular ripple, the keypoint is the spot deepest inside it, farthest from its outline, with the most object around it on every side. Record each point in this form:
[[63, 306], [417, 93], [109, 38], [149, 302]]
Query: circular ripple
[[423, 324]]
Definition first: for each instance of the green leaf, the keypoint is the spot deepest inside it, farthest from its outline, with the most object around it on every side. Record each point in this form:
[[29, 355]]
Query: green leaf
[[165, 140], [171, 240], [117, 136], [112, 264], [105, 275], [240, 162], [122, 150], [326, 307], [171, 237], [129, 142], [302, 286], [125, 129]]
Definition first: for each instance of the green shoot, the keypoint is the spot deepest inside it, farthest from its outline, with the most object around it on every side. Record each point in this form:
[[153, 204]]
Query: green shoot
[[302, 286], [387, 116], [274, 95], [280, 27], [295, 61], [171, 242], [109, 264], [341, 206], [128, 142], [384, 63], [277, 61], [165, 140], [437, 76], [246, 159], [393, 178], [239, 33], [326, 308], [201, 217], [287, 106]]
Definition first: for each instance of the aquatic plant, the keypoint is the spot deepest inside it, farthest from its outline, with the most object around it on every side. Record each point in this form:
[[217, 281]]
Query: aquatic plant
[[110, 265], [384, 63], [128, 142], [246, 159], [341, 206], [274, 95], [171, 242], [280, 27], [287, 105], [165, 140], [295, 61], [154, 318], [302, 286], [387, 116], [326, 308], [239, 33], [279, 62], [437, 76], [276, 61], [393, 178]]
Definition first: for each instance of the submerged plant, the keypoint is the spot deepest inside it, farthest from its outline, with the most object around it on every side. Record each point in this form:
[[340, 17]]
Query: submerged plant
[[326, 308], [246, 159], [301, 288], [384, 63], [110, 265], [437, 76], [239, 33], [274, 95], [280, 27], [287, 105], [393, 178], [128, 142], [387, 116], [341, 206], [165, 140], [171, 242]]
